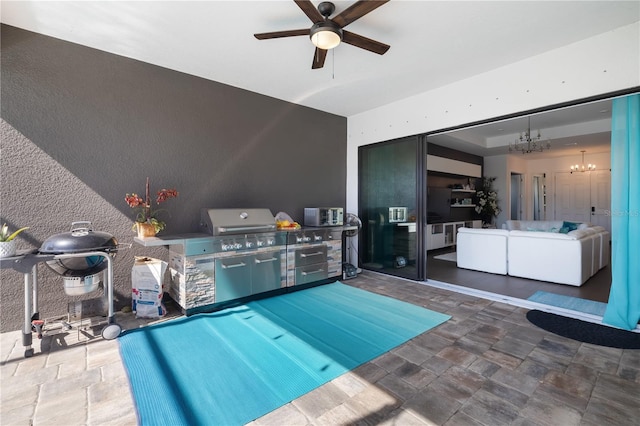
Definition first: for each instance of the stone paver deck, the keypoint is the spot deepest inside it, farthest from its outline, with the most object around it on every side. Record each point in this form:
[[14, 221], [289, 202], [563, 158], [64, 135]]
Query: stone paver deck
[[486, 366]]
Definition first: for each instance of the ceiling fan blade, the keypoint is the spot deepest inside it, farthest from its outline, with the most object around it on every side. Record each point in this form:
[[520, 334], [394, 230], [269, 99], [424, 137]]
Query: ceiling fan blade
[[364, 43], [318, 58], [279, 34], [310, 10], [356, 11]]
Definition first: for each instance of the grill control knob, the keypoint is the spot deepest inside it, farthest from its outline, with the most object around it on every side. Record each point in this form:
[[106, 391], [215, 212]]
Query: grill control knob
[[270, 241], [317, 238], [298, 240], [225, 247], [260, 243], [237, 246], [306, 239], [248, 244]]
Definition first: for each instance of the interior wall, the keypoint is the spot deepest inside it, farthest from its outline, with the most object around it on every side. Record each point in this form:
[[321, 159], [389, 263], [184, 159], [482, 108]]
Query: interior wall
[[81, 128], [553, 165], [502, 166]]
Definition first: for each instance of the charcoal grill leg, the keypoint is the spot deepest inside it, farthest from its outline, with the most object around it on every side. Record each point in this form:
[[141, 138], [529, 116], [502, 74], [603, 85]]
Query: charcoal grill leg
[[35, 314], [112, 330], [26, 330]]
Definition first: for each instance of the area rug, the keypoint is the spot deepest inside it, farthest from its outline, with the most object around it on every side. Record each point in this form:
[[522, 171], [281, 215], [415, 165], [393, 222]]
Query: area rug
[[568, 302], [584, 331], [449, 257], [235, 365]]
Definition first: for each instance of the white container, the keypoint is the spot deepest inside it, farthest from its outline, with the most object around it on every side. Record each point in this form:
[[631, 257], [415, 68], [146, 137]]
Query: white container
[[77, 286], [7, 248]]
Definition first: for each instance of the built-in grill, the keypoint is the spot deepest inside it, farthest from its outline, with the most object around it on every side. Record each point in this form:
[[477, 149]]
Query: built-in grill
[[239, 253]]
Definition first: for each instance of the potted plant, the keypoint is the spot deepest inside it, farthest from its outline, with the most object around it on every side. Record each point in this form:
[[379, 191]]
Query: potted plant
[[7, 242], [487, 205], [147, 222]]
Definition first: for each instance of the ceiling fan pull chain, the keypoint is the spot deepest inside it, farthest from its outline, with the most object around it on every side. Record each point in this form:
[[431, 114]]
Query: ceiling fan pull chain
[[333, 64]]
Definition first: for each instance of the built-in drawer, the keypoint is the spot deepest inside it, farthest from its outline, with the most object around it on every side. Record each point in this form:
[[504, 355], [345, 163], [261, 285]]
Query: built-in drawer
[[311, 273], [311, 255]]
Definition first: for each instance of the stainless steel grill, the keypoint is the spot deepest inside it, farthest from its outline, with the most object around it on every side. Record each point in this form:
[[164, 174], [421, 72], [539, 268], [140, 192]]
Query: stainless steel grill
[[236, 221], [240, 253]]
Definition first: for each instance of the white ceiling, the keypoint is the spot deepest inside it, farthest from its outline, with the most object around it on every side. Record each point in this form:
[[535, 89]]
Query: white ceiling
[[433, 43]]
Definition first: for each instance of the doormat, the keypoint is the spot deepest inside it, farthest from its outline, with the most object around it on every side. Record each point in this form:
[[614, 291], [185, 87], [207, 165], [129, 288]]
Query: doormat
[[568, 302], [449, 257], [233, 366], [583, 331]]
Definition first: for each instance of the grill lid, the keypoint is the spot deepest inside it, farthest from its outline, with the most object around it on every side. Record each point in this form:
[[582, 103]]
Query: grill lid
[[80, 239], [236, 221]]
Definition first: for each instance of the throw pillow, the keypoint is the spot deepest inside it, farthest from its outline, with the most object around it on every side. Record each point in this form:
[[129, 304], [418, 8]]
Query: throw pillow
[[564, 230], [571, 225]]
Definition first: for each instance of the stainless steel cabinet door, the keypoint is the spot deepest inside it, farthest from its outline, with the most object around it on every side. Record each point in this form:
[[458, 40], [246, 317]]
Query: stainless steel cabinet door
[[233, 277], [266, 272]]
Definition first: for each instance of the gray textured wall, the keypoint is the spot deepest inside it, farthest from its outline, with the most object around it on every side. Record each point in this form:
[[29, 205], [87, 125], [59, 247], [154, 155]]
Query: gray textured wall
[[81, 127]]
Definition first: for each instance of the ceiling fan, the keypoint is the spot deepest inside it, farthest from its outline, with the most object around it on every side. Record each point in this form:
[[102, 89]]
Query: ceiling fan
[[326, 33]]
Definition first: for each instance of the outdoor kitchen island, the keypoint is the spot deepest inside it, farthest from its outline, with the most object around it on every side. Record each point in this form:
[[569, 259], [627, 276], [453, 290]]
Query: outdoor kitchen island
[[233, 260]]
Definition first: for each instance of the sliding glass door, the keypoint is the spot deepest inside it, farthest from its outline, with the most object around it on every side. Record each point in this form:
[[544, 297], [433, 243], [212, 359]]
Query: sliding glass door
[[390, 179]]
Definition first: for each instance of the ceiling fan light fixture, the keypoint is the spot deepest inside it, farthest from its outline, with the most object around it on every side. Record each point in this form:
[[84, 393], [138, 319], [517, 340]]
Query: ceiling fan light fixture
[[325, 35]]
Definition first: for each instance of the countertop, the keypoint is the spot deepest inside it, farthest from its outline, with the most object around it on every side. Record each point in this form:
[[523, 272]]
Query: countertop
[[167, 240]]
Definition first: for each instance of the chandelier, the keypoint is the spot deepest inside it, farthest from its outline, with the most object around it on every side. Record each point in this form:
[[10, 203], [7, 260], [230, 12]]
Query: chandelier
[[589, 167], [528, 144]]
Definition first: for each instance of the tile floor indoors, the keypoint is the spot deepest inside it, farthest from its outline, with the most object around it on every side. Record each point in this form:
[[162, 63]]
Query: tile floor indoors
[[485, 366]]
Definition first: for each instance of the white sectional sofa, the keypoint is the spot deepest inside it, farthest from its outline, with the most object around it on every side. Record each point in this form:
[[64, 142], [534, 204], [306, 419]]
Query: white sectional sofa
[[482, 249], [540, 250]]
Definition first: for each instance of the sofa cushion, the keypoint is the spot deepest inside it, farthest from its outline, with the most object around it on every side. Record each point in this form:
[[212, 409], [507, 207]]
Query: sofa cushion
[[582, 233], [571, 225], [547, 235], [538, 225], [483, 231]]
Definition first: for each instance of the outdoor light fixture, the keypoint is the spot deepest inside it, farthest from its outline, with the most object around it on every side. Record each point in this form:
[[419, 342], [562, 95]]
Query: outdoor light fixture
[[326, 35], [588, 168]]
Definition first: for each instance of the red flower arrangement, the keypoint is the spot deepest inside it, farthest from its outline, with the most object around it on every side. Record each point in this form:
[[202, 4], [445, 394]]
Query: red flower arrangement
[[142, 207]]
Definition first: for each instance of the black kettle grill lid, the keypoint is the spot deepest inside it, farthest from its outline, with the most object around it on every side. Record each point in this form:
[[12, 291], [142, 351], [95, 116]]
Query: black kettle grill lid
[[80, 239]]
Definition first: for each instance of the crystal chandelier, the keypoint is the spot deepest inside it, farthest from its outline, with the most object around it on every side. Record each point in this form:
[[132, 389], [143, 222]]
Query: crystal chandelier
[[589, 167], [528, 144]]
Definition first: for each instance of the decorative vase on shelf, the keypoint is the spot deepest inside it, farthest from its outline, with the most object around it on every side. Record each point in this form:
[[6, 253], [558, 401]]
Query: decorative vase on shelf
[[7, 248], [145, 230]]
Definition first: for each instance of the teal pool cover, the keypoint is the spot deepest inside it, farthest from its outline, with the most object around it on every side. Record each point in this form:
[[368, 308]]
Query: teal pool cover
[[235, 365]]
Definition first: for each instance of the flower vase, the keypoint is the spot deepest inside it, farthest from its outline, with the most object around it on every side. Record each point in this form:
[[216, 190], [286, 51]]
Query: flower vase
[[7, 248], [145, 230]]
